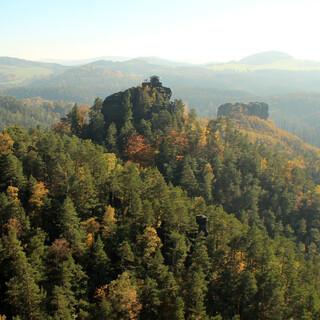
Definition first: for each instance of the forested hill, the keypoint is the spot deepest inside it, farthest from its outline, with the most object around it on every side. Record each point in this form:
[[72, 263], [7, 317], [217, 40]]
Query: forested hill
[[252, 120], [160, 216], [31, 112]]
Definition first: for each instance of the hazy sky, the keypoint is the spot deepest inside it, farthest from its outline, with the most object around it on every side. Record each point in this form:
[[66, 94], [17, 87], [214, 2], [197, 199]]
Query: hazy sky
[[186, 30]]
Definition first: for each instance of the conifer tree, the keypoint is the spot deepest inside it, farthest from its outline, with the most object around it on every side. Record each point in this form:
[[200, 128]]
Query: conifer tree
[[207, 180], [150, 299], [14, 209], [83, 192], [76, 118], [23, 293], [66, 279], [96, 126], [37, 252], [196, 293], [61, 305], [99, 265], [127, 124], [111, 138], [70, 225], [188, 180], [12, 172]]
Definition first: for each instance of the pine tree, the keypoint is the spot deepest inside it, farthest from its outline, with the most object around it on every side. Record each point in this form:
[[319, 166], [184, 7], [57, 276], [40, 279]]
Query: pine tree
[[127, 127], [178, 249], [66, 279], [37, 252], [70, 225], [111, 138], [172, 306], [24, 295], [188, 180], [247, 291], [83, 191], [77, 119], [96, 126], [196, 293], [199, 257], [179, 312], [207, 180], [126, 255], [145, 129], [150, 299], [98, 265], [11, 172], [61, 306], [127, 112]]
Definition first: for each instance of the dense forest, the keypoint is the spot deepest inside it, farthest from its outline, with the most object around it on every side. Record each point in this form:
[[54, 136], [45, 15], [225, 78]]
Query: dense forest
[[31, 112], [138, 209]]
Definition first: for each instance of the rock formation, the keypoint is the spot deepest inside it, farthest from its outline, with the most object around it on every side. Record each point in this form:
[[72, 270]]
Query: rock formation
[[257, 109]]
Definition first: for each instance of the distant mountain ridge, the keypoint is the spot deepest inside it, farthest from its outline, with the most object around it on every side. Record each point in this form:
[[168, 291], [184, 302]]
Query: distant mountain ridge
[[78, 62], [203, 87], [24, 62], [266, 57], [264, 61], [15, 71]]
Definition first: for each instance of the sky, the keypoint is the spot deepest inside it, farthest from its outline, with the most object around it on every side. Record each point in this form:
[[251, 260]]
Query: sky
[[194, 31]]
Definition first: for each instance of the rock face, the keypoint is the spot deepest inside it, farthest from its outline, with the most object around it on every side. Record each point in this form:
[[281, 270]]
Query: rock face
[[202, 222], [257, 109]]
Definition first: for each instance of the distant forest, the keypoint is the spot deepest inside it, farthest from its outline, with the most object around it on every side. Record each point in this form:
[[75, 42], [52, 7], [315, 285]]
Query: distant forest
[[31, 112]]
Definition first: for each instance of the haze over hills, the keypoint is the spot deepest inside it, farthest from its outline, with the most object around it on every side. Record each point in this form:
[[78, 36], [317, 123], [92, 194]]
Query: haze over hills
[[290, 86], [77, 62], [151, 60], [14, 71], [261, 60], [269, 60], [266, 57]]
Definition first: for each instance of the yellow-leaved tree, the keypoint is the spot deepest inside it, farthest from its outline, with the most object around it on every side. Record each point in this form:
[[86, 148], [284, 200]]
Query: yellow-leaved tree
[[13, 193], [150, 242], [91, 227], [121, 296], [109, 221], [38, 193], [6, 143]]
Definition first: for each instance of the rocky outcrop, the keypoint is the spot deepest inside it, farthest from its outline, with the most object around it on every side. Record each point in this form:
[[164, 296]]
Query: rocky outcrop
[[155, 82], [137, 103], [257, 109]]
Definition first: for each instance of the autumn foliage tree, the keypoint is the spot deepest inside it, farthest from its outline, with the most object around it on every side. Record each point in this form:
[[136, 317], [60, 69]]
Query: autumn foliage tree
[[138, 150], [122, 296]]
